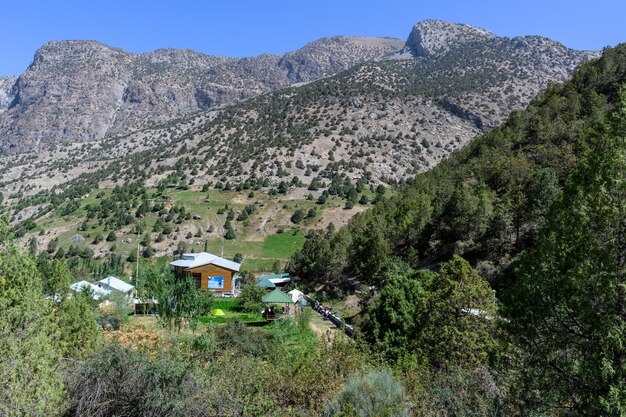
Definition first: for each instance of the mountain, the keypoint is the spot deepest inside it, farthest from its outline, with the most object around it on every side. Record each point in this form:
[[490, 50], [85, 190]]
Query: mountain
[[6, 92], [79, 91], [489, 201], [430, 37], [377, 122]]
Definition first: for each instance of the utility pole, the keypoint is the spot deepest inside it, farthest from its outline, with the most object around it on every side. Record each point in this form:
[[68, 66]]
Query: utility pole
[[137, 273]]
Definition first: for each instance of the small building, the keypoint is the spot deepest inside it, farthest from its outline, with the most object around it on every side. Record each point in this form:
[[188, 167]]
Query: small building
[[279, 280], [112, 284], [277, 303], [209, 271], [296, 295], [97, 293], [264, 282]]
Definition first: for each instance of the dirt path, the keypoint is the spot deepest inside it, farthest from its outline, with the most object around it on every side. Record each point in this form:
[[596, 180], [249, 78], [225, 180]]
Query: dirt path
[[324, 328]]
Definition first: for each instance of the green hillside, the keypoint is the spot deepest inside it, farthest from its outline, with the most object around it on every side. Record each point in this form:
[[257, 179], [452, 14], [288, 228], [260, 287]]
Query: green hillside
[[537, 207], [110, 222], [488, 201]]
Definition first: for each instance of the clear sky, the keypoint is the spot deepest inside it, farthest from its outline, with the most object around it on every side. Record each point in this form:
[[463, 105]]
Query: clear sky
[[248, 28]]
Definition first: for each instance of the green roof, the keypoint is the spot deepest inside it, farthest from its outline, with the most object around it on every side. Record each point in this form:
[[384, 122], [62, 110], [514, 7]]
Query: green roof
[[277, 296], [272, 276], [265, 282]]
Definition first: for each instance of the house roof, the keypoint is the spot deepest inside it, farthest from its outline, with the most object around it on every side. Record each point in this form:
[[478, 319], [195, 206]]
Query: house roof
[[272, 276], [295, 295], [276, 296], [279, 280], [276, 278], [265, 283], [98, 292], [116, 284], [193, 260]]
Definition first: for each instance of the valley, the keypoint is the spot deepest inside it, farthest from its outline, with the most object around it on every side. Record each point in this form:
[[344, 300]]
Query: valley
[[363, 226]]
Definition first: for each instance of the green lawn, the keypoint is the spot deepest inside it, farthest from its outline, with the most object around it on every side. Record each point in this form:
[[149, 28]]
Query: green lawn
[[229, 306]]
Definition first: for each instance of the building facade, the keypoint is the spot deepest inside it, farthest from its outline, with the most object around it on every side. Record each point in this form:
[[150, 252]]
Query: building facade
[[208, 271]]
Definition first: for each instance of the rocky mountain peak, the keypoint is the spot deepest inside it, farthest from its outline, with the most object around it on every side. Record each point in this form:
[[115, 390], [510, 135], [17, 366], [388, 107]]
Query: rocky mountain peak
[[330, 55], [431, 36], [7, 93]]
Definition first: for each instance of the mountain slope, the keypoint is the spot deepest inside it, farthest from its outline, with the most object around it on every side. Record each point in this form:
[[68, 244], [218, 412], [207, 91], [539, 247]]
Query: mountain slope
[[387, 120], [488, 201], [77, 91]]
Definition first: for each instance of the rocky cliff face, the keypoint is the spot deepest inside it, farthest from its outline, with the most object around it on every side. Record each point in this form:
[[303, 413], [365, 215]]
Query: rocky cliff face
[[430, 37], [6, 92], [76, 91], [331, 55]]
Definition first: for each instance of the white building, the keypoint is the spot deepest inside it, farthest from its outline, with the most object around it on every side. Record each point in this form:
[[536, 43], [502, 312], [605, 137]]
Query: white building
[[96, 291], [111, 284]]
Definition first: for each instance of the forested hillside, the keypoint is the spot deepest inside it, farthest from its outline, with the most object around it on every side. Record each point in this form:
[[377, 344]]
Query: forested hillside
[[488, 201], [388, 119], [537, 206]]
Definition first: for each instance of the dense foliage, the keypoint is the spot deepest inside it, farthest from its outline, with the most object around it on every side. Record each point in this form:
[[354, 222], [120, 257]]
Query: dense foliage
[[487, 202], [567, 307], [29, 354]]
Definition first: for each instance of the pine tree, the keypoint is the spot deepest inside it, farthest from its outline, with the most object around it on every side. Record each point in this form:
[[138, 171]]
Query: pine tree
[[567, 310], [28, 358]]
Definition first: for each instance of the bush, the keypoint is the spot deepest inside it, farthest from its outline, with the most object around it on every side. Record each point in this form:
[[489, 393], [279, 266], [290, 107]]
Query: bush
[[375, 393], [250, 298], [298, 216], [119, 381], [236, 335]]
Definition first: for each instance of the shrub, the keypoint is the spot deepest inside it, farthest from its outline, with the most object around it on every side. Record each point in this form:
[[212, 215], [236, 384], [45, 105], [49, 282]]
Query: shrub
[[375, 393], [236, 335], [250, 298]]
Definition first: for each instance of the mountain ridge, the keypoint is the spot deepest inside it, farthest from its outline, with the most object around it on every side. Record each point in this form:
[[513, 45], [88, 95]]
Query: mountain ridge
[[386, 120], [86, 90]]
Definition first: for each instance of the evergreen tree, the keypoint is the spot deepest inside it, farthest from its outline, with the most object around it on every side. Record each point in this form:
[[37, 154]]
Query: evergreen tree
[[230, 234], [297, 216], [28, 357], [79, 331], [567, 307]]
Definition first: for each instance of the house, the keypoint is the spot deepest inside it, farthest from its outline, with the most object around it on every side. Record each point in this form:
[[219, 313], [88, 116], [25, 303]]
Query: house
[[209, 271], [264, 282], [279, 280], [112, 284], [96, 292]]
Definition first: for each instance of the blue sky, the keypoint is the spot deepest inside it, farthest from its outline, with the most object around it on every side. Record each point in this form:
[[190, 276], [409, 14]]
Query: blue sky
[[248, 28]]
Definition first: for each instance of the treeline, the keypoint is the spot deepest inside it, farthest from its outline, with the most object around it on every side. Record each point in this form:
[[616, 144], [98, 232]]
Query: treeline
[[537, 207]]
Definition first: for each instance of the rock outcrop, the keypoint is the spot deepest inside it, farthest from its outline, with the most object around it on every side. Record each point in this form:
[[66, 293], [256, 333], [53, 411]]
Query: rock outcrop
[[77, 91], [430, 37]]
